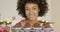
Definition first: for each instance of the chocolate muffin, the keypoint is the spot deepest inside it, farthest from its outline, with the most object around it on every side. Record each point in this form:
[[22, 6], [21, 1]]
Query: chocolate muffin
[[46, 25], [37, 25], [18, 25], [27, 25]]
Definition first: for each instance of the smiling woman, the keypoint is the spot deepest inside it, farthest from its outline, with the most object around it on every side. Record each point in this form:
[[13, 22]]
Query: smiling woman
[[31, 9], [42, 6]]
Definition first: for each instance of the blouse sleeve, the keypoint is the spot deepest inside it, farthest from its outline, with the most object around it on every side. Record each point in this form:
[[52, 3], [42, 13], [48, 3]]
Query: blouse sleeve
[[19, 24]]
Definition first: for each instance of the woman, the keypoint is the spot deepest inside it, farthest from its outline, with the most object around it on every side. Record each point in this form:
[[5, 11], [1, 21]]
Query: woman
[[30, 10]]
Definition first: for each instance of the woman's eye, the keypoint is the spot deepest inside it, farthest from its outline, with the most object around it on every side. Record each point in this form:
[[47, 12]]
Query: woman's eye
[[33, 8]]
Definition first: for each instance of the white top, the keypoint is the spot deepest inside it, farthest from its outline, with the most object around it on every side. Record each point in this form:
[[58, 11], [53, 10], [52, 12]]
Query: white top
[[14, 22]]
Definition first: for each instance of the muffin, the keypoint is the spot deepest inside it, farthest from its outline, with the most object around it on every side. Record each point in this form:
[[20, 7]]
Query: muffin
[[37, 25], [27, 25], [18, 25], [46, 25]]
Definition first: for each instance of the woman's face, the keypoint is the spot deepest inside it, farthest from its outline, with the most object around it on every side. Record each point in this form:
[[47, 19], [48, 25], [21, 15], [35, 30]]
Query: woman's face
[[31, 10]]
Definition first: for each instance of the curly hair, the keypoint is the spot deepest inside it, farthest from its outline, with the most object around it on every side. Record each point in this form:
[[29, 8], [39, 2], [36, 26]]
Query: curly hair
[[42, 4]]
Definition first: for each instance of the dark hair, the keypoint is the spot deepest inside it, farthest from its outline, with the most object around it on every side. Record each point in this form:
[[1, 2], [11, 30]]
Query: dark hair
[[42, 4]]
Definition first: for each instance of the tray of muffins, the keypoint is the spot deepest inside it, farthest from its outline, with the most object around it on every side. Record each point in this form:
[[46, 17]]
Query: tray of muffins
[[36, 27]]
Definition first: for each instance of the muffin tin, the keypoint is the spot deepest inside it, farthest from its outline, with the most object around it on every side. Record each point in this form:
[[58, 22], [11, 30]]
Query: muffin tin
[[41, 28]]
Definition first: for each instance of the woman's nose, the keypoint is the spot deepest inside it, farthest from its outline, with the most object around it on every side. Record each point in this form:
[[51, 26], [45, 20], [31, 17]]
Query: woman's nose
[[31, 12]]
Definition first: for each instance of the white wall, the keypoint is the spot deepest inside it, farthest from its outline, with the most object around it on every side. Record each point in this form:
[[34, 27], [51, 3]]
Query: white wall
[[55, 13], [8, 9]]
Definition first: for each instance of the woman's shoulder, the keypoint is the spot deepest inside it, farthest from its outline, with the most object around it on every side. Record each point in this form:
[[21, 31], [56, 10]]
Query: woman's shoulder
[[19, 24], [14, 22]]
